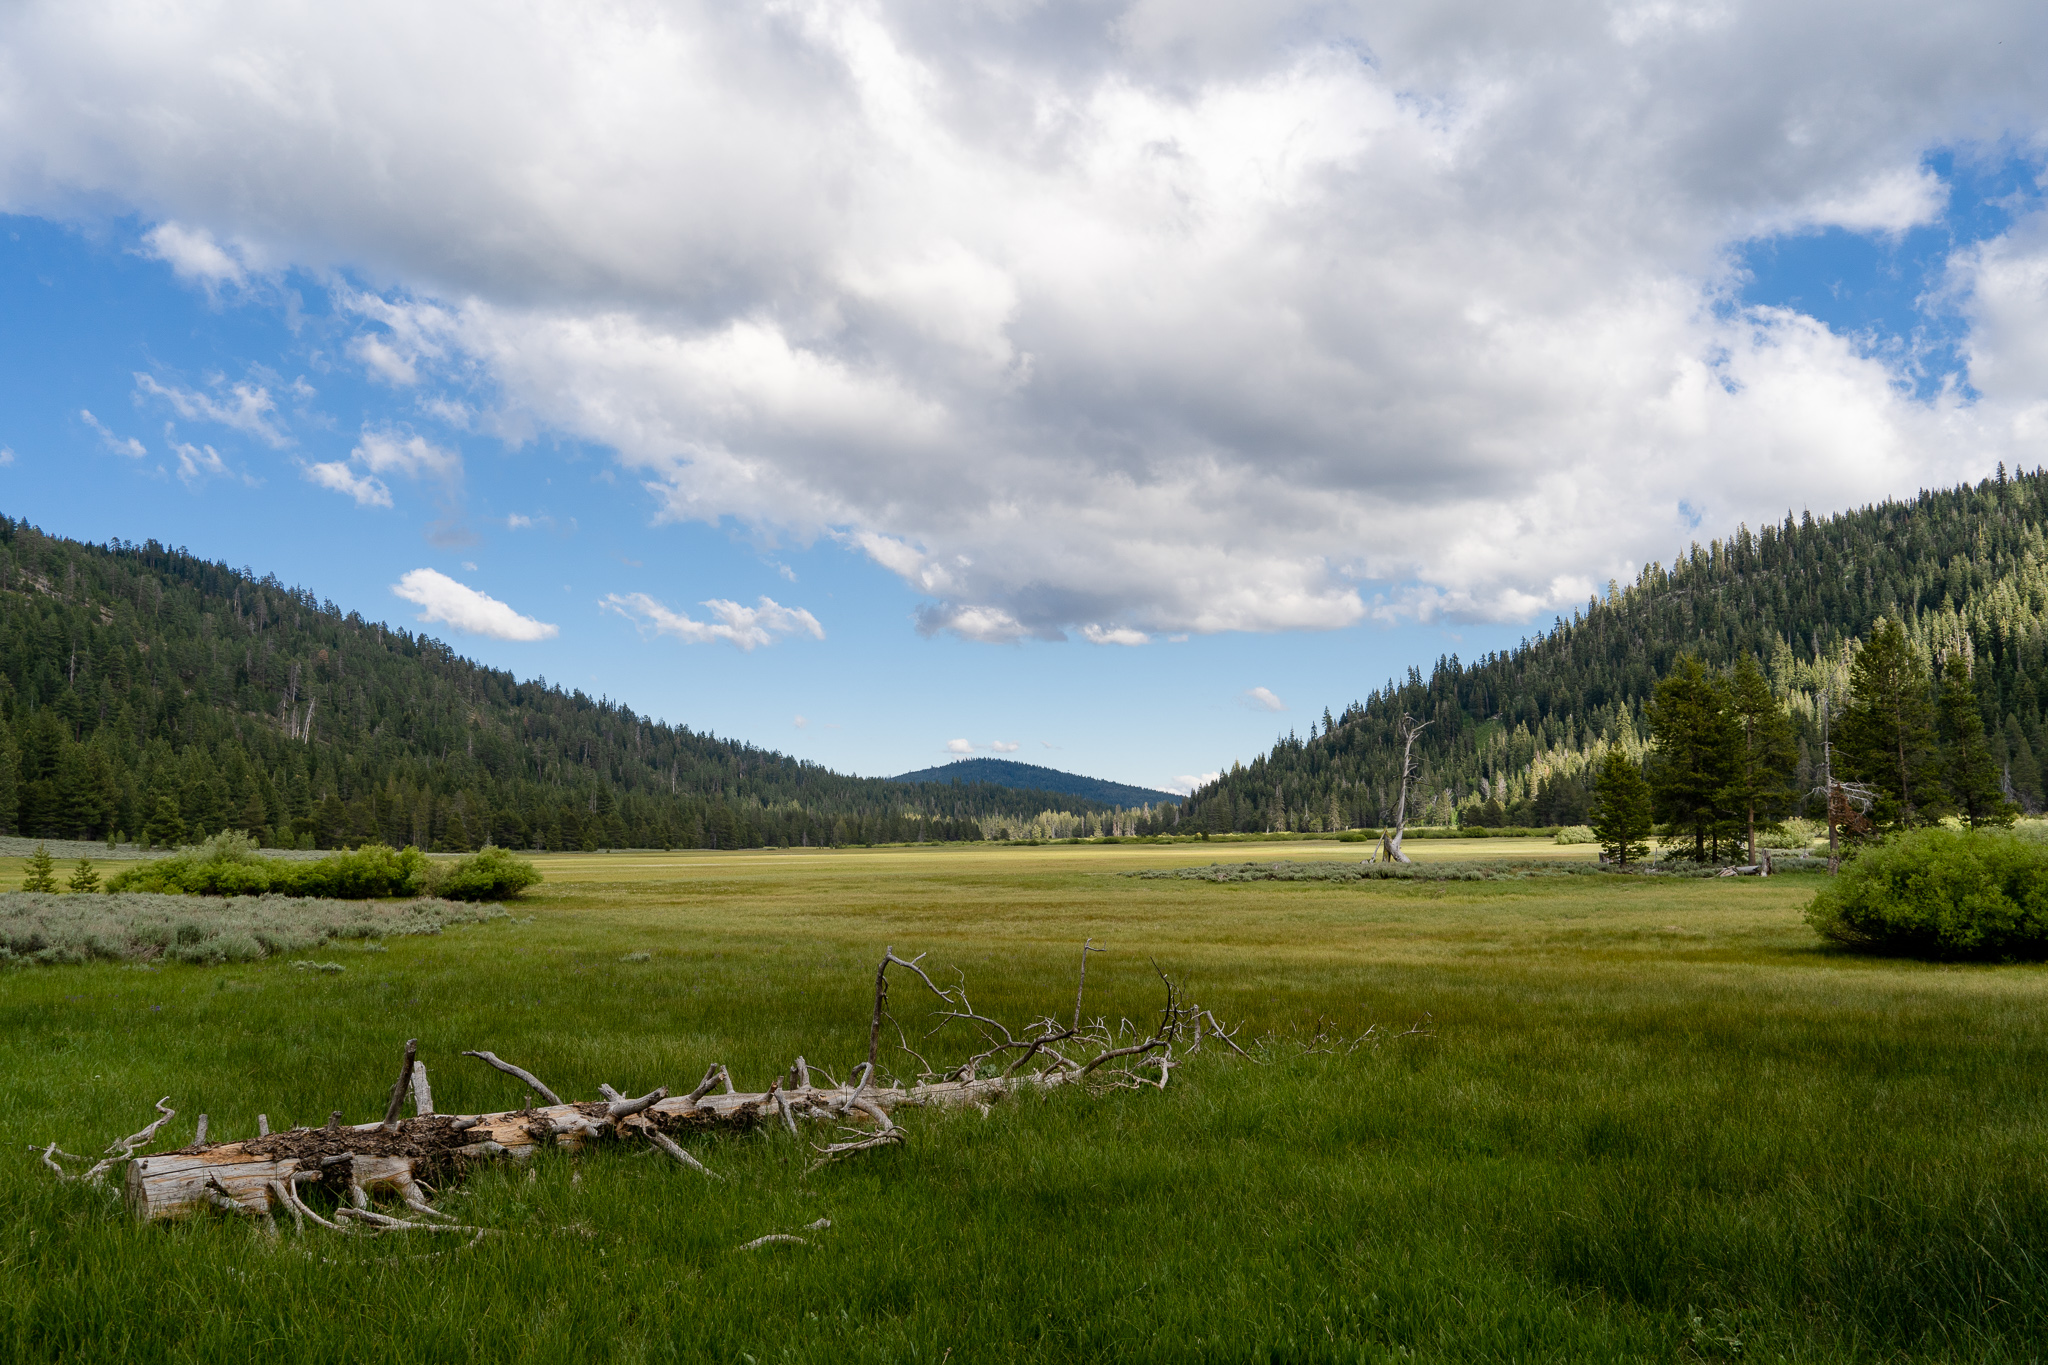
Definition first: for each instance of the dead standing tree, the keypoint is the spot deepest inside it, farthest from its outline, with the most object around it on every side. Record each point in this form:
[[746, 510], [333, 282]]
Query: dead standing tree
[[398, 1157], [1390, 844]]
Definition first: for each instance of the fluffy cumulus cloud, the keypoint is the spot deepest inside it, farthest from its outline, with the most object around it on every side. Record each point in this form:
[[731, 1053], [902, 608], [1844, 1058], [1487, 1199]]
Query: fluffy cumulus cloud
[[743, 627], [1117, 319], [444, 600], [1263, 699], [1187, 784]]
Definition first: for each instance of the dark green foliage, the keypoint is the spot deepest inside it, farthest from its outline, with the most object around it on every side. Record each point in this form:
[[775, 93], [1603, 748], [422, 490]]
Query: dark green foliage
[[1003, 772], [228, 865], [144, 689], [1886, 736], [1622, 809], [1695, 743], [1971, 560], [40, 872], [84, 880], [1972, 774], [1940, 893], [1766, 749]]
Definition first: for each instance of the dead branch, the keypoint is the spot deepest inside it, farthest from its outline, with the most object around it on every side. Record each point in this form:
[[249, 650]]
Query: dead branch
[[400, 1086], [519, 1072]]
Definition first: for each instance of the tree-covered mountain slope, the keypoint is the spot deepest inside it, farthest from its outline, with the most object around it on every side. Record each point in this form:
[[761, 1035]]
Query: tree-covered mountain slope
[[144, 690], [1964, 569], [1030, 777]]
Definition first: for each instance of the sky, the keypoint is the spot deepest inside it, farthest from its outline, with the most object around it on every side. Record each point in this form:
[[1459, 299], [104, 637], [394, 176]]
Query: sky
[[1108, 385]]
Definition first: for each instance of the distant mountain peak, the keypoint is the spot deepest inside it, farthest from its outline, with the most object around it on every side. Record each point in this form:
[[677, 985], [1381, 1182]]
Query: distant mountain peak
[[1003, 772]]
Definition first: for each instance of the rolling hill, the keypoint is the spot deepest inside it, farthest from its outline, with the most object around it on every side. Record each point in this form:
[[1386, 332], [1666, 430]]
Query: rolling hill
[[147, 691], [1965, 568], [1001, 772]]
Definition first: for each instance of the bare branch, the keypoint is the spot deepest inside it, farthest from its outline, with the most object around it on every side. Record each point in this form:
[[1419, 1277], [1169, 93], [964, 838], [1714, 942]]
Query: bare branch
[[401, 1085], [520, 1072]]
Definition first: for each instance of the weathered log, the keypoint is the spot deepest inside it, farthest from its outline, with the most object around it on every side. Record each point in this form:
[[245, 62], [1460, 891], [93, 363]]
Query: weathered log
[[392, 1156]]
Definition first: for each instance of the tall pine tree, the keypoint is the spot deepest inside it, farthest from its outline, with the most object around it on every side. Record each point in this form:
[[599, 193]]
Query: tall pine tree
[[1971, 773], [1886, 736], [1760, 765], [1621, 809], [1693, 738]]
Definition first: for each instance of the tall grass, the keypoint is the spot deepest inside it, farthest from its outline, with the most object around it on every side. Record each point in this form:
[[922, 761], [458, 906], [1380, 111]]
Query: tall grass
[[1643, 1119]]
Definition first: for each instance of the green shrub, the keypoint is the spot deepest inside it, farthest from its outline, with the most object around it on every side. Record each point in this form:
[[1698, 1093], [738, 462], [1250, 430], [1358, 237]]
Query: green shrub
[[229, 864], [1940, 893], [1575, 834], [491, 874]]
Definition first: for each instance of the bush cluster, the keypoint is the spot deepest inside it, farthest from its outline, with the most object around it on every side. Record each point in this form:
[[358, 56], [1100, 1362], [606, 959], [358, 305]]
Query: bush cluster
[[40, 928], [230, 865], [1941, 893]]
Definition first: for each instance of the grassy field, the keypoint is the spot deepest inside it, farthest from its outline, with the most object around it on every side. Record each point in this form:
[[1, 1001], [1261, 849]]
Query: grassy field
[[1632, 1119]]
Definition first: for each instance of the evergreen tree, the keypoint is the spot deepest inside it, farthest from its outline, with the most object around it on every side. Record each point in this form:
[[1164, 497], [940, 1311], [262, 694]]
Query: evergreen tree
[[1971, 774], [2021, 767], [1765, 751], [1886, 736], [39, 873], [10, 792], [1621, 809], [1695, 740], [84, 880], [166, 827]]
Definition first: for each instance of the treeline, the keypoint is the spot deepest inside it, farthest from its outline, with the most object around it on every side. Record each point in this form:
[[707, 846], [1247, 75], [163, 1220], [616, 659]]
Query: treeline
[[1513, 738], [148, 693]]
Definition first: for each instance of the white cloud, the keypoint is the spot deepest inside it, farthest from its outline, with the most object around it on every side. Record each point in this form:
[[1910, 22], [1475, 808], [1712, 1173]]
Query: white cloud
[[196, 462], [802, 724], [463, 607], [386, 451], [337, 475], [1003, 747], [1115, 635], [6, 456], [1188, 783], [744, 627], [193, 254], [246, 407], [516, 522], [959, 746], [120, 445], [1262, 699], [1243, 328]]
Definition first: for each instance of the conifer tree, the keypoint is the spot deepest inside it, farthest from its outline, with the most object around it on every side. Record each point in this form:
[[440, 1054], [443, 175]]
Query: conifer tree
[[1971, 773], [1886, 736], [1621, 809], [10, 790], [1694, 740], [84, 880], [1765, 749], [39, 873]]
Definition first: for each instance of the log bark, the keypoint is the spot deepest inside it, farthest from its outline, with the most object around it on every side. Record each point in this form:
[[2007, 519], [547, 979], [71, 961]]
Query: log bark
[[369, 1158]]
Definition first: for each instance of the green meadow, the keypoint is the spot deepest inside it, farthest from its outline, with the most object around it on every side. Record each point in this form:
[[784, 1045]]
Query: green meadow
[[1589, 1119]]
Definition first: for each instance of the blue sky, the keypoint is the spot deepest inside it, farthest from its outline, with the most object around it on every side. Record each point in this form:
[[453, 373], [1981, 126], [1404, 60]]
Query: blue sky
[[861, 385]]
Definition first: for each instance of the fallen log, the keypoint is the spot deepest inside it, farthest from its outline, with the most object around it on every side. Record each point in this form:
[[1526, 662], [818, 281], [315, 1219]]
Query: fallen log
[[397, 1158]]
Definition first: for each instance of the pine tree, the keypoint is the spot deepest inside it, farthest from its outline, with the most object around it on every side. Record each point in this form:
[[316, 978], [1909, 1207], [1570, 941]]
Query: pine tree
[[1886, 737], [2022, 768], [1971, 773], [1694, 738], [84, 880], [10, 791], [1621, 809], [1765, 752], [39, 873], [166, 828]]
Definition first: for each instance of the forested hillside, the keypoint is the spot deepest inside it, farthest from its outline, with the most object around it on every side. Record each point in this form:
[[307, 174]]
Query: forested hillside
[[1031, 777], [147, 692], [1511, 736]]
